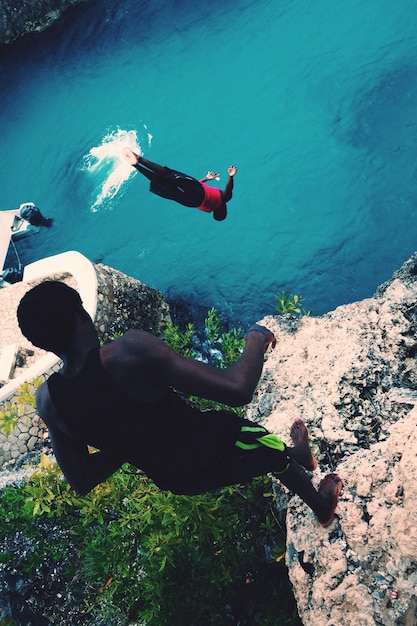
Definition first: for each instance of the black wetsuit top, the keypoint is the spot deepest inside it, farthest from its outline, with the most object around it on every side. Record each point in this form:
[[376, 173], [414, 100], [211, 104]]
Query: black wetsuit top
[[179, 187], [171, 441]]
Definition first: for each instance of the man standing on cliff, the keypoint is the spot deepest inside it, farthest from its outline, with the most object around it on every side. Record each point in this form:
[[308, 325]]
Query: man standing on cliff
[[123, 399]]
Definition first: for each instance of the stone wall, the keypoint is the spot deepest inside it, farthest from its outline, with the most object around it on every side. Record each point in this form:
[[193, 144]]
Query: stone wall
[[18, 17], [123, 303]]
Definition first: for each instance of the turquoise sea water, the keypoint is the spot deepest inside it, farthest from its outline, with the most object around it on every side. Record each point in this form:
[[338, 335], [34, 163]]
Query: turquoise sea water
[[315, 102]]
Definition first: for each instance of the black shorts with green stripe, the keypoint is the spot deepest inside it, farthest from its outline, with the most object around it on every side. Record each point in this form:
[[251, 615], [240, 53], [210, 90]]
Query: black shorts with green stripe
[[256, 452]]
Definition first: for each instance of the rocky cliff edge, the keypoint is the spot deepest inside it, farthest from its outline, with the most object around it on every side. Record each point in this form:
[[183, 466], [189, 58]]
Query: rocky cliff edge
[[352, 376]]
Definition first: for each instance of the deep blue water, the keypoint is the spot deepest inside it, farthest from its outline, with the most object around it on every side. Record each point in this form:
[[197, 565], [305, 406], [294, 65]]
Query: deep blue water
[[315, 102]]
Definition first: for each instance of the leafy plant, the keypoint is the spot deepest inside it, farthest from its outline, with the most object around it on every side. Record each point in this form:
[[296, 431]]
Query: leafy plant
[[47, 492], [21, 406], [212, 325], [289, 304], [9, 419], [232, 344], [216, 346], [25, 394], [180, 341], [157, 557]]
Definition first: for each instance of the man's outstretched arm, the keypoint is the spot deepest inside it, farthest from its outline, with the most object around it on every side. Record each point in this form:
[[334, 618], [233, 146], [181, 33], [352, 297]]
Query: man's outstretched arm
[[227, 193], [142, 354], [209, 176]]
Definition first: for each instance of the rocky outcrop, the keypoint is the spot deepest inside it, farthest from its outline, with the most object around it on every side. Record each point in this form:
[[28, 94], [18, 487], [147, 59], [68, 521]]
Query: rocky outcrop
[[18, 17], [124, 303], [351, 375]]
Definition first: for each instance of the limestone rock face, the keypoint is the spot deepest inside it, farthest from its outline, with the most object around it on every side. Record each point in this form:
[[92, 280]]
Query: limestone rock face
[[352, 376], [125, 303], [18, 17]]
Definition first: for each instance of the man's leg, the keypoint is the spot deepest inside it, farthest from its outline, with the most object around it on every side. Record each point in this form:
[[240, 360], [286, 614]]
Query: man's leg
[[159, 170], [286, 464], [166, 182], [140, 163], [301, 451], [322, 502]]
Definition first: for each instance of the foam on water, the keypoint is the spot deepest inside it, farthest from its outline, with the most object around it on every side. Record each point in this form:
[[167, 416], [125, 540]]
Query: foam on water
[[107, 168]]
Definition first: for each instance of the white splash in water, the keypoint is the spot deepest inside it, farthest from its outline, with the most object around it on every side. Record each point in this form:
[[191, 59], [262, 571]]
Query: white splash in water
[[107, 166]]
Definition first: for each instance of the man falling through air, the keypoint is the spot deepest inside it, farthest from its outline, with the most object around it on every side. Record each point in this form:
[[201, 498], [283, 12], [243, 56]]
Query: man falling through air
[[123, 399]]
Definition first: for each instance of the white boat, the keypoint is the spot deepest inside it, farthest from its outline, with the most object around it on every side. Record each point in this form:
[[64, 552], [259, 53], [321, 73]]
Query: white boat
[[16, 224]]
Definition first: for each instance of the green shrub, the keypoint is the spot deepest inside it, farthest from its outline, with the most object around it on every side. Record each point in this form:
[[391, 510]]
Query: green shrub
[[180, 341], [156, 557], [287, 303], [22, 406]]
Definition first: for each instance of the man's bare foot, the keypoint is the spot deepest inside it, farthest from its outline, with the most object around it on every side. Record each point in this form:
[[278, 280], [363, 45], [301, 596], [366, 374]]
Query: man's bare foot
[[130, 156], [330, 488], [301, 451]]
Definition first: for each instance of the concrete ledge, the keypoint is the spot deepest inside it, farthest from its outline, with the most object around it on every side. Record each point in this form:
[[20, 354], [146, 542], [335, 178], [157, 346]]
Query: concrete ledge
[[83, 271], [74, 263]]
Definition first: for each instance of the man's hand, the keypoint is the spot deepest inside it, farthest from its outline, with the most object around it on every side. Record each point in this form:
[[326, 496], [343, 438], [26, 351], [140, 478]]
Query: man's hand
[[269, 337], [232, 170], [211, 175], [271, 341]]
